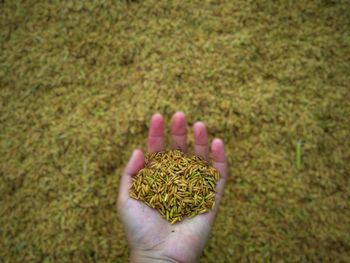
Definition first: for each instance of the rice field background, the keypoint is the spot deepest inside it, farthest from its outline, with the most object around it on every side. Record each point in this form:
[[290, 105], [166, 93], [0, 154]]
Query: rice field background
[[80, 80]]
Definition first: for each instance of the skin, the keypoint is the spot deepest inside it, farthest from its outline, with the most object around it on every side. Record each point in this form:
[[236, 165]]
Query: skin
[[150, 237]]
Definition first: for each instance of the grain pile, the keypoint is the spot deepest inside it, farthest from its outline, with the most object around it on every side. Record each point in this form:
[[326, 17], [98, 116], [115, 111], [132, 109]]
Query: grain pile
[[79, 81], [176, 185]]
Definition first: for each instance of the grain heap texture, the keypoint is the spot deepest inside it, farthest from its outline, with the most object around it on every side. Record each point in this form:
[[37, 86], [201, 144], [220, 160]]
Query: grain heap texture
[[79, 81], [176, 185]]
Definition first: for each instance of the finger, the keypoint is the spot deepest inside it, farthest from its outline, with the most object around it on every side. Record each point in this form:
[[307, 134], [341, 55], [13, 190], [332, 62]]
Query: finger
[[135, 164], [220, 164], [201, 140], [156, 134], [178, 132]]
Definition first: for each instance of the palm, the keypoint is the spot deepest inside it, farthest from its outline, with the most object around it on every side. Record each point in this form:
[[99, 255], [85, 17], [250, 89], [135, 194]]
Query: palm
[[179, 241], [146, 229]]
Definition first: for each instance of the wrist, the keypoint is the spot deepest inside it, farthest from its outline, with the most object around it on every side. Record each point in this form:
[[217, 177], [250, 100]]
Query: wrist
[[142, 257]]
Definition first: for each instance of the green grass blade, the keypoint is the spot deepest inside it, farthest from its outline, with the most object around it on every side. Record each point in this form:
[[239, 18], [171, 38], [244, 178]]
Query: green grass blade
[[298, 155]]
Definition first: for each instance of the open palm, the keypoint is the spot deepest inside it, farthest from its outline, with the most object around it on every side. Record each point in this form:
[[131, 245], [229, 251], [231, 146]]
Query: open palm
[[150, 237]]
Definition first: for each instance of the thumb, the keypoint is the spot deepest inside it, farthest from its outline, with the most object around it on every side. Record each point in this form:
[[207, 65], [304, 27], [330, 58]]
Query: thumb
[[135, 164]]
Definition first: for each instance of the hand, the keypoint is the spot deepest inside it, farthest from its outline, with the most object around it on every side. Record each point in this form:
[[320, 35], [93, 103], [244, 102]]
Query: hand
[[150, 237]]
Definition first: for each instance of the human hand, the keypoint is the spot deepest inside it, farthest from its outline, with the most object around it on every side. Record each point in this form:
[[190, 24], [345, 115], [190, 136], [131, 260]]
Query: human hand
[[150, 237]]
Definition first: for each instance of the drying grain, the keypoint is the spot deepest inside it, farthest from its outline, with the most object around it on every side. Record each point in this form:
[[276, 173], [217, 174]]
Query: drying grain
[[176, 185]]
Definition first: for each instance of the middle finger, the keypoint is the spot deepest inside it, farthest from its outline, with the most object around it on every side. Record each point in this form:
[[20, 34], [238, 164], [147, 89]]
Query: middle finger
[[178, 132]]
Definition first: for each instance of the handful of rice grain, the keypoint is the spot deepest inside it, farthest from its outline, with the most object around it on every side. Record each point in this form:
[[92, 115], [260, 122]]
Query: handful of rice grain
[[176, 185]]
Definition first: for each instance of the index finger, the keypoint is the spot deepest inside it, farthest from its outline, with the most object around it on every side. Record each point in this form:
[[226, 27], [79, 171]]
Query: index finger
[[156, 134]]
